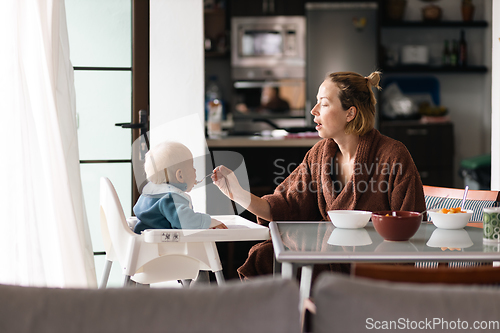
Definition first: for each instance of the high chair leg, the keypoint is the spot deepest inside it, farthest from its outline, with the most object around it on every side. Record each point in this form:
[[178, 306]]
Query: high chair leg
[[105, 274], [220, 278], [127, 281]]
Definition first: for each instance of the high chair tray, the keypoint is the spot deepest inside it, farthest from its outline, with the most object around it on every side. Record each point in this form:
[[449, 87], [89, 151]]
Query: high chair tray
[[239, 229]]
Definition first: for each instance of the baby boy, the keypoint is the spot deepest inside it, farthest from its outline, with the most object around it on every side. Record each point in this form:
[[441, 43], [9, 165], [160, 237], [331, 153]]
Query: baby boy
[[164, 203]]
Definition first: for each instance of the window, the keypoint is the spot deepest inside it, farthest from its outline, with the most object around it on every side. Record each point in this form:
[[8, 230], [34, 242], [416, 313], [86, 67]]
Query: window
[[100, 36]]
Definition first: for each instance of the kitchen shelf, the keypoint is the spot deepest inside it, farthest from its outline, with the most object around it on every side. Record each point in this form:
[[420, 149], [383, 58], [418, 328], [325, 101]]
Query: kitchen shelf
[[434, 24], [216, 54], [434, 69]]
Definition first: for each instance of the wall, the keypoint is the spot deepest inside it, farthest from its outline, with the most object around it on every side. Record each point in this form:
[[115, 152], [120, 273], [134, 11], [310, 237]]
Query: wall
[[177, 79], [495, 89]]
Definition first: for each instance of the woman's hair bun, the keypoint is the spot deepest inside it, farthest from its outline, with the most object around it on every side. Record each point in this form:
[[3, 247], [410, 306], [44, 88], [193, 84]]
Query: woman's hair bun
[[374, 79]]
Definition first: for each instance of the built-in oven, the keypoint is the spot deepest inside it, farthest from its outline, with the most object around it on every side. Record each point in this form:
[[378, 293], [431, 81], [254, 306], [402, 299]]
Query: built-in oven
[[268, 68]]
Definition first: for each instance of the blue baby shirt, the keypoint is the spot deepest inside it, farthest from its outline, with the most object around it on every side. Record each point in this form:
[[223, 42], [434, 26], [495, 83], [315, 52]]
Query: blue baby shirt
[[165, 206]]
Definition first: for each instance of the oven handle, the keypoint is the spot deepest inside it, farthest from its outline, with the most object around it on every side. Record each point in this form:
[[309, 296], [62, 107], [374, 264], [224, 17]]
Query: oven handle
[[261, 84]]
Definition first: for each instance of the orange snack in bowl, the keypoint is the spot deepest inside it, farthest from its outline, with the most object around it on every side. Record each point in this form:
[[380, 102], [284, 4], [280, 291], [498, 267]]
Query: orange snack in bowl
[[454, 210]]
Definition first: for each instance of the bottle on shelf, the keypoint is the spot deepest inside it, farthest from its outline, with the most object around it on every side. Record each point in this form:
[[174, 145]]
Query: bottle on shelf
[[462, 50], [446, 54], [454, 53], [213, 108]]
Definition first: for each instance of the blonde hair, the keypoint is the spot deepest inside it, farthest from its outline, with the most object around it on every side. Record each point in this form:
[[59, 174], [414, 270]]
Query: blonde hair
[[163, 160], [356, 90]]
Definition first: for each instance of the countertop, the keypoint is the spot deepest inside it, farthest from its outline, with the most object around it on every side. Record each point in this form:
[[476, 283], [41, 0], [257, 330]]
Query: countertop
[[262, 141]]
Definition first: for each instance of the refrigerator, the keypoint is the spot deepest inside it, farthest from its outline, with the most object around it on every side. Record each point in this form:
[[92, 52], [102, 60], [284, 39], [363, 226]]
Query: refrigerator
[[341, 36]]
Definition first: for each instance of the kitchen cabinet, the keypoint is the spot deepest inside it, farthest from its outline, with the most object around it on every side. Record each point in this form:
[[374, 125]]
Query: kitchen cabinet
[[216, 32], [430, 145], [267, 7]]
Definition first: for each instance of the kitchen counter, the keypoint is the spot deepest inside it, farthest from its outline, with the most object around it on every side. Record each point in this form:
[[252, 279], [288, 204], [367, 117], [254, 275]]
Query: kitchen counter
[[261, 141]]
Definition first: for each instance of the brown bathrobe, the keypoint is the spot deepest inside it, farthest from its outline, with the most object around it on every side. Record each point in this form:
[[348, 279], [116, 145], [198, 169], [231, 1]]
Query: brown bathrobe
[[384, 178]]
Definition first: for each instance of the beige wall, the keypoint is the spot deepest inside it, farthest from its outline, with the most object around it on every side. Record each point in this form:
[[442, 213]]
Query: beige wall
[[495, 100]]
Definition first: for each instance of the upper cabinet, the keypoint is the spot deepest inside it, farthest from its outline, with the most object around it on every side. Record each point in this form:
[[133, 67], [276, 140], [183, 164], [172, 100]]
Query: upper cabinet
[[267, 7], [216, 30], [436, 37]]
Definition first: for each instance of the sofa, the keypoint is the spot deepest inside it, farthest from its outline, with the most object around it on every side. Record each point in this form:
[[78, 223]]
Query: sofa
[[261, 305], [345, 304], [265, 305]]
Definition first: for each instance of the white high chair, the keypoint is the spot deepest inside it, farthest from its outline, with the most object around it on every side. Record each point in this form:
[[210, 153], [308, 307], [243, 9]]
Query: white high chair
[[144, 261]]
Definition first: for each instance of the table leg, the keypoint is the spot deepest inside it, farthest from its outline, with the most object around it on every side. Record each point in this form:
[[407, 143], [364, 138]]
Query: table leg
[[288, 271], [305, 283]]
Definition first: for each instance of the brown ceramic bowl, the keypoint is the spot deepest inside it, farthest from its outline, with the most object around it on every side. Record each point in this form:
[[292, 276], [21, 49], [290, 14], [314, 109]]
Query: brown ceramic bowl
[[396, 225]]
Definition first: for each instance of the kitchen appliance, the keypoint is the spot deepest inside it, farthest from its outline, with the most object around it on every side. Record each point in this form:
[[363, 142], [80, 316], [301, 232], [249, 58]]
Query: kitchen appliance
[[270, 47], [341, 36], [268, 72]]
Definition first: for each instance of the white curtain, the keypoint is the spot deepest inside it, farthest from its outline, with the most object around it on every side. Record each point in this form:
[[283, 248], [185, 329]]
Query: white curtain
[[45, 236]]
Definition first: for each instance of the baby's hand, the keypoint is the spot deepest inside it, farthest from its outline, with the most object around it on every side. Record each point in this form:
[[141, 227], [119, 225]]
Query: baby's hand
[[216, 224]]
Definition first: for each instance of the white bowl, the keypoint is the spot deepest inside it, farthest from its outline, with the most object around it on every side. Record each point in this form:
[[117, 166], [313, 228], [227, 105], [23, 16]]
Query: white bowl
[[349, 237], [450, 238], [349, 219], [450, 221]]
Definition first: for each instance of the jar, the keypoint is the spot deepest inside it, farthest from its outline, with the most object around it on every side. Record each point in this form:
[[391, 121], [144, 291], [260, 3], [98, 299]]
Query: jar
[[431, 13]]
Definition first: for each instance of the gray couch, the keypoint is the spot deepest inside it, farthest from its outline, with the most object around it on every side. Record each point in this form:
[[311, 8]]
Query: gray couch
[[262, 305], [345, 304]]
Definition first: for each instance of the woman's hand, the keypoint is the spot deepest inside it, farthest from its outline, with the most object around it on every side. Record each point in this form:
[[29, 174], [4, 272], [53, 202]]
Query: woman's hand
[[226, 181]]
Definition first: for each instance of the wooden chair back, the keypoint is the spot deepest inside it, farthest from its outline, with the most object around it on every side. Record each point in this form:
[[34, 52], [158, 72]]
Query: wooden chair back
[[457, 193], [486, 274]]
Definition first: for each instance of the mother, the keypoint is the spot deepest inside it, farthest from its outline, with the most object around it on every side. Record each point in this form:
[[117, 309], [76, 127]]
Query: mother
[[353, 167]]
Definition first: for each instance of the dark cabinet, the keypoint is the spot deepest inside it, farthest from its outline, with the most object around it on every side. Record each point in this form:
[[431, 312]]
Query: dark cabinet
[[266, 167], [430, 145], [216, 32], [267, 7]]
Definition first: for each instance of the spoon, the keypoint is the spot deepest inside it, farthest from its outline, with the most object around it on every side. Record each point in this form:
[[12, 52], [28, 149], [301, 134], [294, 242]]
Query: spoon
[[199, 181], [465, 196]]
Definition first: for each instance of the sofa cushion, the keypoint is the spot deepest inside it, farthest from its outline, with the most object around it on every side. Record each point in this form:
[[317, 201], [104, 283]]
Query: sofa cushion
[[263, 305], [345, 304]]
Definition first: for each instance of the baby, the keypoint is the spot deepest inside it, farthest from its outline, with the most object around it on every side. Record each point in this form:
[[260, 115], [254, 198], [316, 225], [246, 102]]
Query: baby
[[164, 203]]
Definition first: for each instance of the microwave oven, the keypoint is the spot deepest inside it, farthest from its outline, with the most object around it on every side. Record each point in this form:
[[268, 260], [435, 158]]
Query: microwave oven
[[270, 47]]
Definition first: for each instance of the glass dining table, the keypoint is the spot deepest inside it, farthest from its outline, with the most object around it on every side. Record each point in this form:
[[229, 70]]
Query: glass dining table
[[304, 244]]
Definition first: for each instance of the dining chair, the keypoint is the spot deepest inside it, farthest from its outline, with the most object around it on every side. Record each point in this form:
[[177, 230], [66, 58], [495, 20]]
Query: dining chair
[[476, 199], [147, 262], [489, 275]]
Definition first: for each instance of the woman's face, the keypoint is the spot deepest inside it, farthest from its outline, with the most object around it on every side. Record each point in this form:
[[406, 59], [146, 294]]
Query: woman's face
[[328, 112]]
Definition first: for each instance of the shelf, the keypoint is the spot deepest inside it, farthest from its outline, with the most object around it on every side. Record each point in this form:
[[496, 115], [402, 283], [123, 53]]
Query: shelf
[[434, 69], [214, 11], [216, 54], [434, 24]]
